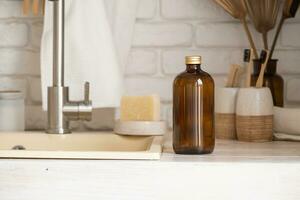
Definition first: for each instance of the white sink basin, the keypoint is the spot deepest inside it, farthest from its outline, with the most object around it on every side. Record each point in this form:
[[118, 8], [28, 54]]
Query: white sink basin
[[102, 145]]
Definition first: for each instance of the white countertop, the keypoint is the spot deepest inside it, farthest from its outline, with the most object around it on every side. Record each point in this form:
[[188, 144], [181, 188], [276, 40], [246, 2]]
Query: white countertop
[[234, 171]]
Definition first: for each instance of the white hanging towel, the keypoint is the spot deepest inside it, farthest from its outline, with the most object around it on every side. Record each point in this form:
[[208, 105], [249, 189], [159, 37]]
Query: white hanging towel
[[90, 53], [122, 17]]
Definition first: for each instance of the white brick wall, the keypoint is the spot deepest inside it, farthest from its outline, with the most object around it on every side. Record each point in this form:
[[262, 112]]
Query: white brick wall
[[9, 9], [166, 34], [166, 31], [13, 34]]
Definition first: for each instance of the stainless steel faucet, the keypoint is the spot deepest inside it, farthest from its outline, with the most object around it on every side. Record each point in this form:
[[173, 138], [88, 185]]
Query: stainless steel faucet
[[60, 109]]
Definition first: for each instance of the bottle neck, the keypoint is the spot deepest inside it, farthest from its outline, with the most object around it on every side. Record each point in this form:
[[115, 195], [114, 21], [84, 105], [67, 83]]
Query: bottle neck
[[191, 68]]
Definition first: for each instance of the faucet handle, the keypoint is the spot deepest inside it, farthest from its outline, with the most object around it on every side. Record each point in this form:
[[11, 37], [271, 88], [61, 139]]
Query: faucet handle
[[87, 92]]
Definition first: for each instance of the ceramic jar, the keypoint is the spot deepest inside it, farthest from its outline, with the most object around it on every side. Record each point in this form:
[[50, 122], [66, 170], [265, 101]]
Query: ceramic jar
[[254, 115], [12, 111], [225, 107]]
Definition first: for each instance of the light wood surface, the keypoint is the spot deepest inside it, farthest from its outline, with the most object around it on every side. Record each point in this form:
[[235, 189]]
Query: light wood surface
[[234, 170]]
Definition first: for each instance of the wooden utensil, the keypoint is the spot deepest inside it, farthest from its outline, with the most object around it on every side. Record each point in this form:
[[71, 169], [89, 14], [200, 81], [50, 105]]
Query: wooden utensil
[[265, 60], [26, 7], [232, 75], [289, 11], [237, 78], [237, 10], [263, 13], [33, 6], [248, 58], [43, 6]]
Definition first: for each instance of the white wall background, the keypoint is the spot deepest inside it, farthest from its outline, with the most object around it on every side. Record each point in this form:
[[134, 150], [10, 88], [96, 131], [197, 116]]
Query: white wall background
[[166, 31]]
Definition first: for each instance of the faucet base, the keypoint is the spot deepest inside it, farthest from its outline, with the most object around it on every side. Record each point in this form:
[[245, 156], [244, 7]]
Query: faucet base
[[58, 131], [57, 122], [61, 110]]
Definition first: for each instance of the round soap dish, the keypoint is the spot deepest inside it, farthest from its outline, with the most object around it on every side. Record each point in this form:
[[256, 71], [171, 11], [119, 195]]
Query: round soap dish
[[140, 128]]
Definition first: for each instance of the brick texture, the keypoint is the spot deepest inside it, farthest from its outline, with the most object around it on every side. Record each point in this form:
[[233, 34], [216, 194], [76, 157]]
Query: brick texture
[[10, 8], [150, 85], [215, 61], [142, 62], [147, 9], [162, 34], [35, 91], [36, 33], [13, 83], [222, 35], [19, 61], [165, 32], [192, 9], [290, 35], [13, 34], [293, 86]]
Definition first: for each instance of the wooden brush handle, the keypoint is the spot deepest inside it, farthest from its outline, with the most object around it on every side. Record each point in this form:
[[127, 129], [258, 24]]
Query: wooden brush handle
[[43, 6], [238, 74], [260, 80], [35, 7], [26, 7], [231, 75]]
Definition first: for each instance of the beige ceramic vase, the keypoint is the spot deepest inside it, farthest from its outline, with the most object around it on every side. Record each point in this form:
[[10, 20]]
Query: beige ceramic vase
[[225, 107], [254, 115]]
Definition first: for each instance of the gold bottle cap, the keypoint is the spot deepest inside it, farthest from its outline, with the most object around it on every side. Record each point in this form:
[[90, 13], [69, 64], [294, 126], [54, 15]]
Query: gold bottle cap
[[193, 60]]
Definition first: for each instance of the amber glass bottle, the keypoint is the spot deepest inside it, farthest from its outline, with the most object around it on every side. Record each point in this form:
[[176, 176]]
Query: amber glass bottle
[[193, 110], [271, 80]]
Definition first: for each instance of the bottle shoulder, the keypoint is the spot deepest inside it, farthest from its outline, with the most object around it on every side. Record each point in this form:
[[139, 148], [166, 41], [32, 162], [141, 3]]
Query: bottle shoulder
[[193, 77]]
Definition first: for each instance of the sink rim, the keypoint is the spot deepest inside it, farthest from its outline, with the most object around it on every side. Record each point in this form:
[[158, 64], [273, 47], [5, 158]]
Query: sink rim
[[153, 151]]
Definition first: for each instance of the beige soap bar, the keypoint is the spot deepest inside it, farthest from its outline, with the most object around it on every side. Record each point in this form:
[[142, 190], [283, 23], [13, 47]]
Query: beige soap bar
[[140, 108]]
